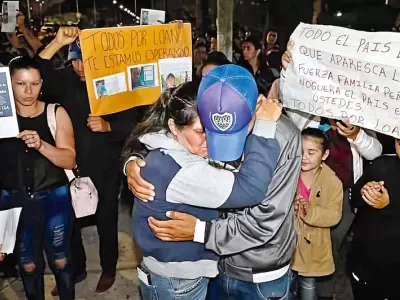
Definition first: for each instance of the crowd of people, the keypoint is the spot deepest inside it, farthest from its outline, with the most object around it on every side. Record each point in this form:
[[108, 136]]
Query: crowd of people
[[234, 196]]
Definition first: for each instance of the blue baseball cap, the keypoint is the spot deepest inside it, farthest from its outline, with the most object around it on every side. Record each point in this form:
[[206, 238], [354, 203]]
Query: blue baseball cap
[[74, 51], [227, 100]]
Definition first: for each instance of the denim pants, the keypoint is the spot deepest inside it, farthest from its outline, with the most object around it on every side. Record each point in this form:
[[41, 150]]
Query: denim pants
[[167, 288], [307, 287], [45, 224], [225, 288]]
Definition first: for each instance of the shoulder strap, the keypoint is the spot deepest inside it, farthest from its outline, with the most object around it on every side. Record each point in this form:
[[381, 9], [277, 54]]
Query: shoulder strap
[[51, 119], [52, 122]]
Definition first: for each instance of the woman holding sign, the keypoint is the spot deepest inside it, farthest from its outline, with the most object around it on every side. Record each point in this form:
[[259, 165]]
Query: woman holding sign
[[32, 176]]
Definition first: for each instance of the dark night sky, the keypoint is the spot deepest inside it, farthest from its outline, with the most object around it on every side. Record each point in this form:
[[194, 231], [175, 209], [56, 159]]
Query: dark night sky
[[89, 3]]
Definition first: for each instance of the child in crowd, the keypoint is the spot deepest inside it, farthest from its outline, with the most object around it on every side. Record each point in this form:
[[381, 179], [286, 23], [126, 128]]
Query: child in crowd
[[318, 207]]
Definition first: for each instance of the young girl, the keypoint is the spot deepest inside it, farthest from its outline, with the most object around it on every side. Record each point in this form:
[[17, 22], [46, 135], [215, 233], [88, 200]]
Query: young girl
[[318, 207]]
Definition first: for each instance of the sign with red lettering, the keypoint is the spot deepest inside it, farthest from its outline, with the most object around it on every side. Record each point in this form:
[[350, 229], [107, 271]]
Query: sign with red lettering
[[341, 73], [122, 64]]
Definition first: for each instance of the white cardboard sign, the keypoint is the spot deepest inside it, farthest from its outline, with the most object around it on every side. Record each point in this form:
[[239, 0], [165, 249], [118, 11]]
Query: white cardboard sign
[[342, 73]]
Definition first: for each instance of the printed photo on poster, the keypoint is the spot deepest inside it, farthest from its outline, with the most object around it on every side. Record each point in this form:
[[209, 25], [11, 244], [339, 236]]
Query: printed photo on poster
[[152, 17], [144, 18], [142, 76], [175, 71], [8, 117], [9, 11], [109, 85], [101, 88], [5, 101]]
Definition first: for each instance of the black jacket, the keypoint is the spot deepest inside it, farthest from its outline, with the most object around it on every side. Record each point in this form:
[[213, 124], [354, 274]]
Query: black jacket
[[96, 152], [264, 76], [376, 242]]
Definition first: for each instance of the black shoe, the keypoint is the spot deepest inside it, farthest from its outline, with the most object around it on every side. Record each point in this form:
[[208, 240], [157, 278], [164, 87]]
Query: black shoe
[[105, 283]]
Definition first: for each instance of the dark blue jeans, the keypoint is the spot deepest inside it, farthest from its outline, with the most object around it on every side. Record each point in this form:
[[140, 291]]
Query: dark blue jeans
[[225, 288], [45, 224], [168, 288]]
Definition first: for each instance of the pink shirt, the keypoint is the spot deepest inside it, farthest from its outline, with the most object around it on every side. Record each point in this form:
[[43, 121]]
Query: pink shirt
[[303, 190]]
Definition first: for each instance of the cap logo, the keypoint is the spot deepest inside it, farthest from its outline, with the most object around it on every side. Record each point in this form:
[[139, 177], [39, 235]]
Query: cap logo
[[223, 121]]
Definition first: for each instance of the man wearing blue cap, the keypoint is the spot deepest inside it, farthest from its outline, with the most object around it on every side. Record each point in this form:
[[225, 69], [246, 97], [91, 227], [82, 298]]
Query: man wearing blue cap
[[255, 244], [98, 140]]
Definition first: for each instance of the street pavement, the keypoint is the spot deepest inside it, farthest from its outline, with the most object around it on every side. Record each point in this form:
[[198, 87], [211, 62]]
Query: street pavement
[[126, 285]]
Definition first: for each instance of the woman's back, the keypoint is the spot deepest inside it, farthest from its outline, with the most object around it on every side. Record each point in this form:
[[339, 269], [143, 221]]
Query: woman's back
[[160, 169]]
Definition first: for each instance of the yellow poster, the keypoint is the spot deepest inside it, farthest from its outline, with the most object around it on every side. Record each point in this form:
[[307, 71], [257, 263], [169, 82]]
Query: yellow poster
[[130, 66]]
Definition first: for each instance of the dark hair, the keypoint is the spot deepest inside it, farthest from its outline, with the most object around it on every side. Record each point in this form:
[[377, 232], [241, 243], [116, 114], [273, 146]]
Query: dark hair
[[178, 104], [317, 134], [212, 34], [199, 44], [5, 58], [170, 75], [216, 58], [254, 40], [23, 63]]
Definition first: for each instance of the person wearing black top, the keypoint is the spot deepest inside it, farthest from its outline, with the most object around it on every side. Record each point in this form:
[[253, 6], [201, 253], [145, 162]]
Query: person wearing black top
[[373, 260], [99, 142], [272, 50], [256, 63], [32, 177]]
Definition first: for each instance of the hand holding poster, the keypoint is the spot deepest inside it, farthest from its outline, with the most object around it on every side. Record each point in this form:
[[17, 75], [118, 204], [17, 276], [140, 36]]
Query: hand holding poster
[[122, 63], [341, 73], [8, 117]]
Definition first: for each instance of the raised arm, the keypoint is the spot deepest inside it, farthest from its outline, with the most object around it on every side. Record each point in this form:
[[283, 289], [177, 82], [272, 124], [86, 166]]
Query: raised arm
[[367, 144], [32, 40], [53, 80], [64, 37]]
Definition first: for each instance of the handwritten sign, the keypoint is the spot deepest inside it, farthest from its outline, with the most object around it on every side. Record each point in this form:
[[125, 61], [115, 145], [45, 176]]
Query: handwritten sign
[[341, 73], [8, 117], [121, 64]]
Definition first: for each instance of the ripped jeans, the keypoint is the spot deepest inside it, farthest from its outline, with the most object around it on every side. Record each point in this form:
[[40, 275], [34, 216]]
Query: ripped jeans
[[45, 224]]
